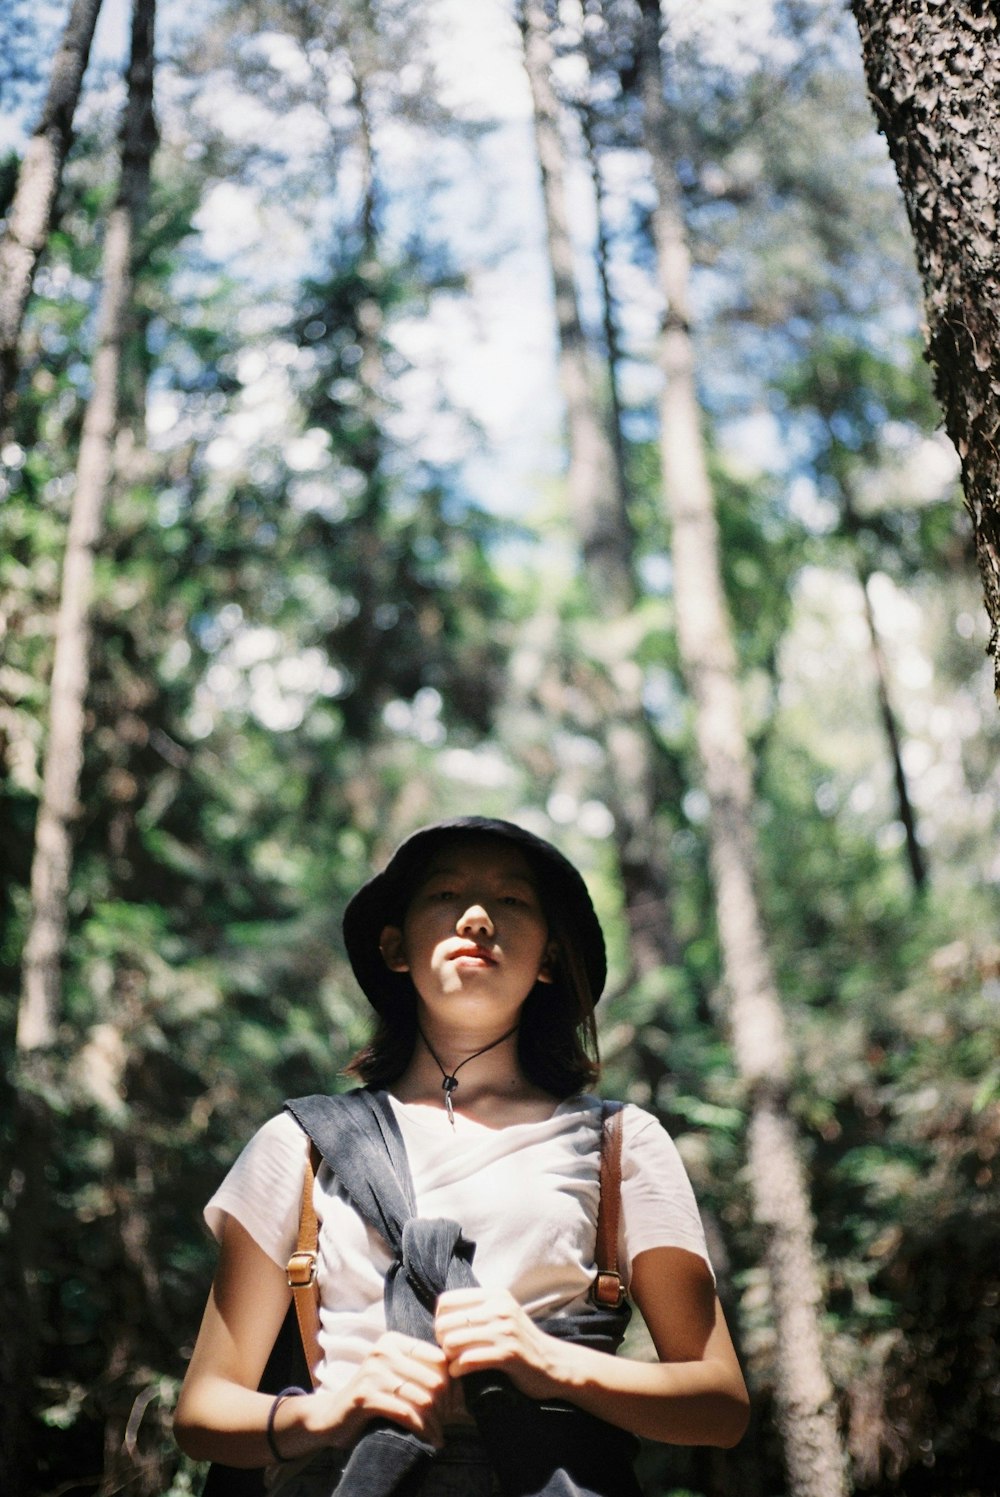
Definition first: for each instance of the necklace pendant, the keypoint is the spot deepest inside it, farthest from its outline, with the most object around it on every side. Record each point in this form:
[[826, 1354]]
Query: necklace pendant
[[448, 1085]]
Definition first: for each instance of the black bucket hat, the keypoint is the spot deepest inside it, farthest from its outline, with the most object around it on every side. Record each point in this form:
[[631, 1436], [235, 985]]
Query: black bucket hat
[[382, 901]]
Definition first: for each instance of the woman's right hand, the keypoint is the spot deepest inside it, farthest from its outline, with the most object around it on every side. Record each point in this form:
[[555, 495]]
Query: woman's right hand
[[221, 1417], [401, 1379]]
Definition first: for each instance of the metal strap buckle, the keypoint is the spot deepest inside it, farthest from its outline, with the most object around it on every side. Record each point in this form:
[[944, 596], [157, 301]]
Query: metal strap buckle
[[301, 1270], [608, 1289]]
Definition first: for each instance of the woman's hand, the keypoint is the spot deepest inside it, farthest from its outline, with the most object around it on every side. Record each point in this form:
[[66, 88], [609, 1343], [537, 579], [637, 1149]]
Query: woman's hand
[[221, 1417], [694, 1395], [482, 1329], [402, 1379]]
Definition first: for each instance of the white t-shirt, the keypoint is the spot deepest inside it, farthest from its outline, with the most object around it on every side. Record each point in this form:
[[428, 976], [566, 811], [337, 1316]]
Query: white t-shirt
[[526, 1195]]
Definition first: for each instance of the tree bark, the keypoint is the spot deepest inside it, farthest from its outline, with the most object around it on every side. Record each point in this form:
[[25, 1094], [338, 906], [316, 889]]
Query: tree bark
[[51, 864], [598, 492], [807, 1413], [933, 75], [29, 218]]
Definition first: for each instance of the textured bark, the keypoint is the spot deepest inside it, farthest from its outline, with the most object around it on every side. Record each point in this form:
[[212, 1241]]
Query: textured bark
[[807, 1413], [597, 489], [29, 218], [933, 70], [51, 864]]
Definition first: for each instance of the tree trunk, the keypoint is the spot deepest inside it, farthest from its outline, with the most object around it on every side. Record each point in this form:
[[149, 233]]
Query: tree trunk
[[596, 482], [597, 489], [916, 861], [602, 259], [805, 1399], [933, 74], [29, 218], [50, 872]]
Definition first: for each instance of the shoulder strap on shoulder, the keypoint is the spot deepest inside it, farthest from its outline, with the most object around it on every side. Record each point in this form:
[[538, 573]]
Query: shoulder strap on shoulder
[[358, 1137], [300, 1269], [607, 1288]]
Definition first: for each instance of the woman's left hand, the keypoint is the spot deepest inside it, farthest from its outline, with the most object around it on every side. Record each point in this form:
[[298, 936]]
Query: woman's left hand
[[484, 1329]]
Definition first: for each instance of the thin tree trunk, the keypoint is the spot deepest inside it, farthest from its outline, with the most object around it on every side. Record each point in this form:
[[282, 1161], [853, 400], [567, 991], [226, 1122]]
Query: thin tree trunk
[[595, 479], [598, 495], [29, 218], [933, 74], [50, 873], [361, 42], [602, 259], [807, 1412], [915, 859]]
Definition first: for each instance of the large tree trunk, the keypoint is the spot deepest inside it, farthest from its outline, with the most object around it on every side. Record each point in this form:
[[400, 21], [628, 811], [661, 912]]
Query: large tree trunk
[[781, 1205], [597, 490], [30, 215], [933, 73], [50, 872]]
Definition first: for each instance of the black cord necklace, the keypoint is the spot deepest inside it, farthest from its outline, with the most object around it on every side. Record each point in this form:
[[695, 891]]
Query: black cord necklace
[[450, 1082]]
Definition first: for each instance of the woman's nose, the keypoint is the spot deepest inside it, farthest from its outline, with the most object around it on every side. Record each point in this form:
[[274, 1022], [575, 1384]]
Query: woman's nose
[[475, 920]]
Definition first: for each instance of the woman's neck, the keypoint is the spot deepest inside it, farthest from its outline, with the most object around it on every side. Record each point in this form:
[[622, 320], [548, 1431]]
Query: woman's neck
[[478, 1070]]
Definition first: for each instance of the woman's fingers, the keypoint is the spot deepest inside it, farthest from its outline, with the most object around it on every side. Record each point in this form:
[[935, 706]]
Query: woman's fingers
[[404, 1380], [412, 1357], [479, 1330], [464, 1309], [401, 1379]]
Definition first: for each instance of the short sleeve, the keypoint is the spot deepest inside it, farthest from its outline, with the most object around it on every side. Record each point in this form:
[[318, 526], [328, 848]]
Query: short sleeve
[[263, 1190], [658, 1204]]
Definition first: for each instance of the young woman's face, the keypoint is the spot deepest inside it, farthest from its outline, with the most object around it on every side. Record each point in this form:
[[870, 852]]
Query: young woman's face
[[474, 928]]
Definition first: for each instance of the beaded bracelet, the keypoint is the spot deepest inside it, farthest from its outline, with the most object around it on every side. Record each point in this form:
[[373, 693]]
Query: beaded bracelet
[[271, 1441]]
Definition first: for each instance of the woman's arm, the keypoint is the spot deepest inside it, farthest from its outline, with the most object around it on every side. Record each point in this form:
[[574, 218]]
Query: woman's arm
[[220, 1416], [695, 1393]]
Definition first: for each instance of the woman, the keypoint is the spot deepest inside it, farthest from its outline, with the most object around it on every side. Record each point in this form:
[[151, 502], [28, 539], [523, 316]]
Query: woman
[[480, 951]]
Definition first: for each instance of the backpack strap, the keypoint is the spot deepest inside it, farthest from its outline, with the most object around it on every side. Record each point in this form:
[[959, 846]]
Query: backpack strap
[[301, 1267], [357, 1135], [608, 1288]]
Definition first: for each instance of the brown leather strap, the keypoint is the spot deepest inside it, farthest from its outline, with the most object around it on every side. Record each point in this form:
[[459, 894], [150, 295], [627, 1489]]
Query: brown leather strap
[[301, 1268], [608, 1288]]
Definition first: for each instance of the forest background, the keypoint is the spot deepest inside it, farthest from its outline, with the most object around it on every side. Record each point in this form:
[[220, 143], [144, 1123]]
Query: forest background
[[385, 531]]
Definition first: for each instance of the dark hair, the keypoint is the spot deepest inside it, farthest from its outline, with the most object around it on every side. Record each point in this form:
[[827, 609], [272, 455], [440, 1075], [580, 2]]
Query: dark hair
[[556, 1037]]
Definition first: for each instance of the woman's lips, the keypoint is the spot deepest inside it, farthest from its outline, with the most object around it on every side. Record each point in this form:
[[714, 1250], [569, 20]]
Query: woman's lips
[[472, 954]]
